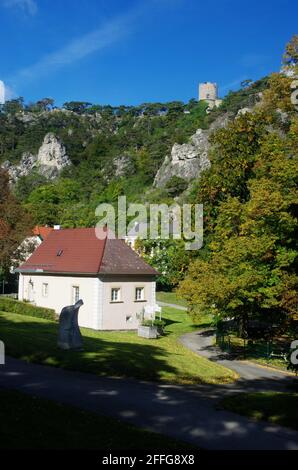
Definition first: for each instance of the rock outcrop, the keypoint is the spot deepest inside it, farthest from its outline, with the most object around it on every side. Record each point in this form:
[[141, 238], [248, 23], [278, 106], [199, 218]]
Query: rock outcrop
[[49, 161], [186, 161], [189, 160], [122, 166]]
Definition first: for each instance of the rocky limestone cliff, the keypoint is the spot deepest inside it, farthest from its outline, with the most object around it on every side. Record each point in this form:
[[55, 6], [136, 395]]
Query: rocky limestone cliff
[[122, 166], [49, 161], [189, 160]]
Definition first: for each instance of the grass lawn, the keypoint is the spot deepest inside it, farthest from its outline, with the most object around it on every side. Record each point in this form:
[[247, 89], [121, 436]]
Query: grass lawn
[[254, 353], [276, 407], [273, 362], [28, 422], [170, 298], [120, 354]]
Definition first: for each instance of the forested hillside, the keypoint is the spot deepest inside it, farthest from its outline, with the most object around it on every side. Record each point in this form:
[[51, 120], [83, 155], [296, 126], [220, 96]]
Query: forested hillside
[[113, 150]]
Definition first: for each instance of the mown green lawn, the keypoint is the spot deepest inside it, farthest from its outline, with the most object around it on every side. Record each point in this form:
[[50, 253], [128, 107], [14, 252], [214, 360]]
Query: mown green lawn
[[120, 354], [256, 352], [29, 422], [276, 407], [170, 298]]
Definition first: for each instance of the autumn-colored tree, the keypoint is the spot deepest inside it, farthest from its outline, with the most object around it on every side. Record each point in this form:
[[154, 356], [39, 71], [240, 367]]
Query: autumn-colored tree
[[15, 223]]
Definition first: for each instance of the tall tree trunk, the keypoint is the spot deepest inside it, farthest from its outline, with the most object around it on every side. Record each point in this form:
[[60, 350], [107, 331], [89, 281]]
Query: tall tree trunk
[[243, 325]]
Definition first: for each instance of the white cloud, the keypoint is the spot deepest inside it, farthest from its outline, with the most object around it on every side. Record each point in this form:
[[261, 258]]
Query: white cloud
[[27, 6], [9, 93], [111, 32], [232, 84]]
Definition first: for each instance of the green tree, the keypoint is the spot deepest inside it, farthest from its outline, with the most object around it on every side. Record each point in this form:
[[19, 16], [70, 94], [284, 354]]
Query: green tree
[[77, 106], [45, 104], [290, 57], [168, 257], [48, 203], [13, 106], [251, 201], [176, 186]]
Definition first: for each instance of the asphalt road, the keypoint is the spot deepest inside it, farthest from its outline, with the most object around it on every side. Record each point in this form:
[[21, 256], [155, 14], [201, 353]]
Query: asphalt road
[[252, 376], [187, 413]]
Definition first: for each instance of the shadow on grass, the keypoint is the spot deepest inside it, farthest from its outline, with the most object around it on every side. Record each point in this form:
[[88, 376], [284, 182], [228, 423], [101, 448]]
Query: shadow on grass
[[32, 422], [170, 322], [278, 408], [36, 341]]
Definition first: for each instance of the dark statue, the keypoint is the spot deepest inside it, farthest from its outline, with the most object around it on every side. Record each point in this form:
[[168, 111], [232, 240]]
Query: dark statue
[[69, 336]]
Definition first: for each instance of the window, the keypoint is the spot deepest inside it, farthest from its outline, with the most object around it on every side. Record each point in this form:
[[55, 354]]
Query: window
[[139, 293], [115, 294], [45, 289], [75, 294]]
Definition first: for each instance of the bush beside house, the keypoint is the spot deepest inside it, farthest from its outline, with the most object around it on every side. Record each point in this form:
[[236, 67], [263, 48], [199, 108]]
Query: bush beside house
[[24, 308]]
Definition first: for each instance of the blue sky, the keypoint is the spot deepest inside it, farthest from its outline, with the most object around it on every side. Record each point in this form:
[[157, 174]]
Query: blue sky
[[134, 51]]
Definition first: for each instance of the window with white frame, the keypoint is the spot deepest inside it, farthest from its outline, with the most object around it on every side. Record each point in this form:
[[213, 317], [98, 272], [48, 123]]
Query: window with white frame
[[115, 294], [75, 294], [139, 293], [45, 289]]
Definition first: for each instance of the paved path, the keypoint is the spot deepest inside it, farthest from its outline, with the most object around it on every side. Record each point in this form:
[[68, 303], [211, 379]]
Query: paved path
[[166, 304], [187, 413], [252, 376]]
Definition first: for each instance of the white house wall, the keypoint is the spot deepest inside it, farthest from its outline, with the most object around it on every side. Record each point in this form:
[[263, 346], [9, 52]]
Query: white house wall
[[98, 312], [60, 295], [124, 315]]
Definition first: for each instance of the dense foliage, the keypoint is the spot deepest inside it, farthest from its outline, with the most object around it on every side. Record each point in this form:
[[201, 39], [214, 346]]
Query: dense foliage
[[250, 203], [95, 138], [15, 224]]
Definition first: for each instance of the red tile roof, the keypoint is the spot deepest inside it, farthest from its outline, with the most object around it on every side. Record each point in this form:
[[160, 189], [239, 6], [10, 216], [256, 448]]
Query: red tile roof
[[79, 251], [42, 232]]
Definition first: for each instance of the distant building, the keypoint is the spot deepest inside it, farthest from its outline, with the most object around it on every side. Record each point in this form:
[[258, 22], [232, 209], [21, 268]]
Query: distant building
[[2, 92], [139, 231], [29, 245], [209, 92]]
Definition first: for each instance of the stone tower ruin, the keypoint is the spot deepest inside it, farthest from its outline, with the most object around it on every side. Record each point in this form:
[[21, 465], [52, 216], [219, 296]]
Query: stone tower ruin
[[209, 92]]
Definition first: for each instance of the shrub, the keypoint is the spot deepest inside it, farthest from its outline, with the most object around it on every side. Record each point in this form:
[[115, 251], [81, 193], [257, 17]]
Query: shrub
[[24, 308], [176, 185], [147, 323], [159, 324]]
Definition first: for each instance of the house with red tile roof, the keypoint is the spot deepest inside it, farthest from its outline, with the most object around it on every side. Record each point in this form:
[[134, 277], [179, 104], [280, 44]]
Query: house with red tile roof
[[115, 284]]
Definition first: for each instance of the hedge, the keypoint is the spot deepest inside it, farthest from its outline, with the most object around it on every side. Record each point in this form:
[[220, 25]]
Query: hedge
[[24, 308]]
